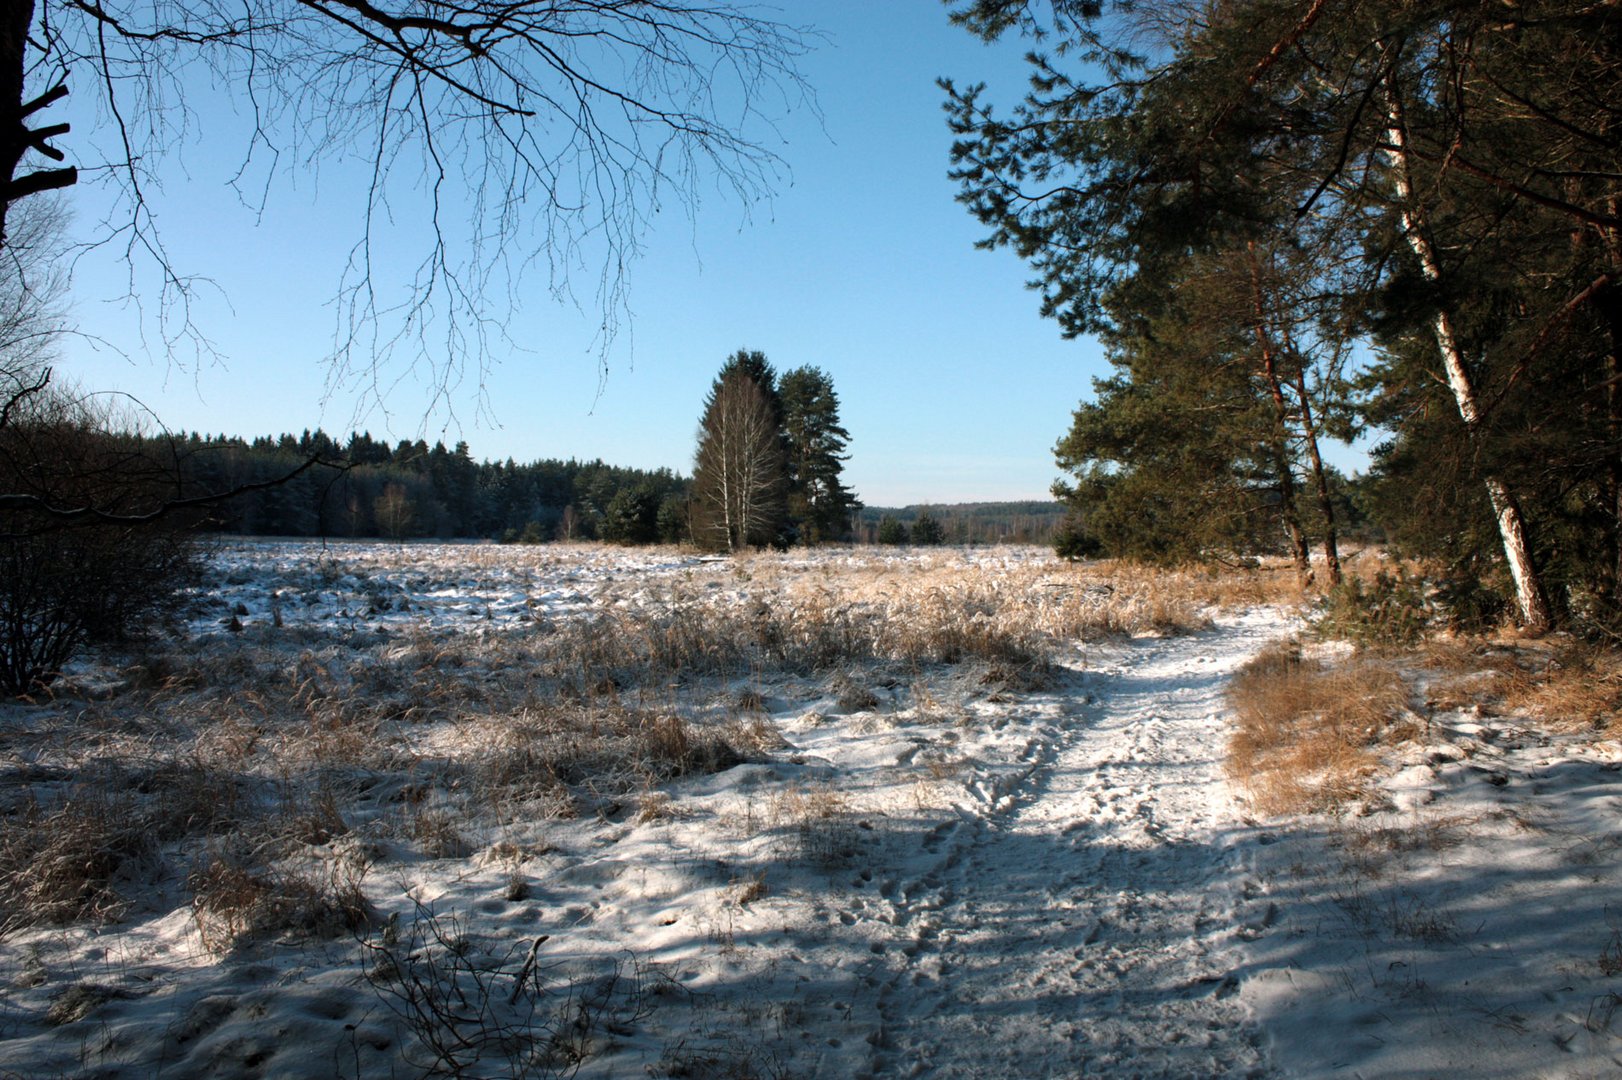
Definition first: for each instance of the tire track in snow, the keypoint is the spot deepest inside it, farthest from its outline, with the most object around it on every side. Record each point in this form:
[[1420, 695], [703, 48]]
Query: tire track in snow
[[1083, 918]]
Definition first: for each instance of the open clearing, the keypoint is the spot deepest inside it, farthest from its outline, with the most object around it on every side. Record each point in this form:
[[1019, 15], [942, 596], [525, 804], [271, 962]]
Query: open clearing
[[578, 811]]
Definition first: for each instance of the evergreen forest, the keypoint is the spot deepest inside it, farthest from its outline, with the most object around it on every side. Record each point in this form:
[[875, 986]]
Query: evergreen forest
[[313, 485], [1297, 223]]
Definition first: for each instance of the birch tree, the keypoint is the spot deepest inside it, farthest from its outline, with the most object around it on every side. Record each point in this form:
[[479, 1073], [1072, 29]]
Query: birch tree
[[739, 479]]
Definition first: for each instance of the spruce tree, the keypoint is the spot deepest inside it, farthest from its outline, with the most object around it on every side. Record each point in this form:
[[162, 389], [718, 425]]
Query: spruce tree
[[926, 531], [819, 503]]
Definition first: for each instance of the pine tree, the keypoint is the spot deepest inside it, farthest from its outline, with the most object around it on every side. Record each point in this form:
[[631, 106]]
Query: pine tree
[[819, 504], [1448, 172], [926, 531]]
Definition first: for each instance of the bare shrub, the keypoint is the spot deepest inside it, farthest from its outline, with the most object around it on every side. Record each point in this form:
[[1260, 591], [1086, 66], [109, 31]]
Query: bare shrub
[[473, 1011], [1306, 732], [78, 562], [1609, 960]]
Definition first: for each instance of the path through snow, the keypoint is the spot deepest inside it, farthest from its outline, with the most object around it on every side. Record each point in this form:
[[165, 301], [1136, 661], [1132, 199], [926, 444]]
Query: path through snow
[[1082, 915]]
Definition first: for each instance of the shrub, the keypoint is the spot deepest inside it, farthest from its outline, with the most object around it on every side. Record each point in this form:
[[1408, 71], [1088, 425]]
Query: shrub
[[85, 552], [1392, 612], [1072, 542], [632, 517], [672, 519]]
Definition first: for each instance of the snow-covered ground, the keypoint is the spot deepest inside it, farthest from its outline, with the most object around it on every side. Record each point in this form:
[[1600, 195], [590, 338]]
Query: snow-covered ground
[[924, 869]]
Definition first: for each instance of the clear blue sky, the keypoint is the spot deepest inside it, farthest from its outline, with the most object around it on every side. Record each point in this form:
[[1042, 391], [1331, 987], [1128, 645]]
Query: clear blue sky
[[952, 387]]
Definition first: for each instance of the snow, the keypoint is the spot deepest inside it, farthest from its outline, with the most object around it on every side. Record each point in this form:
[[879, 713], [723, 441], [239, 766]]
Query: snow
[[949, 879]]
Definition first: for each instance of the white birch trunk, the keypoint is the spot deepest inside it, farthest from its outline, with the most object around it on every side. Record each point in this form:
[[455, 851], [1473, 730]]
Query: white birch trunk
[[1532, 603]]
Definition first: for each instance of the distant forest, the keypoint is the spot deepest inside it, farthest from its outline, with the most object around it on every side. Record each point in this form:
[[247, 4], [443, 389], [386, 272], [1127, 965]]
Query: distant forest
[[1033, 522], [366, 488]]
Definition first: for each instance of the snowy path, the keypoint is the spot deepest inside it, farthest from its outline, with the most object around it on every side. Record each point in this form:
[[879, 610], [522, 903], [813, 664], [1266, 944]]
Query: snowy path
[[1084, 920]]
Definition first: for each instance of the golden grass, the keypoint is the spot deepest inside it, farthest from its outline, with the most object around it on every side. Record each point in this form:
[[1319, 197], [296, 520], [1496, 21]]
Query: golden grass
[[1578, 688], [1306, 733], [236, 897], [59, 863], [292, 740], [1560, 681]]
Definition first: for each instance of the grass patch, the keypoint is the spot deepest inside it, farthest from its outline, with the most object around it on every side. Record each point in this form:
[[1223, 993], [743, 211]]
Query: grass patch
[[61, 863], [1306, 731]]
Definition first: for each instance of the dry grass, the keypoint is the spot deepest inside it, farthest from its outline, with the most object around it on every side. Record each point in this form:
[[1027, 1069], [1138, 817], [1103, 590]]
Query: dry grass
[[819, 824], [1563, 682], [293, 737], [1368, 848], [62, 862], [1578, 687], [237, 897], [1306, 732]]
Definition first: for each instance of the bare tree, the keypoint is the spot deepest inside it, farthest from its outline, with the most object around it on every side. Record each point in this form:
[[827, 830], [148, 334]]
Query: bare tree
[[32, 287], [528, 135]]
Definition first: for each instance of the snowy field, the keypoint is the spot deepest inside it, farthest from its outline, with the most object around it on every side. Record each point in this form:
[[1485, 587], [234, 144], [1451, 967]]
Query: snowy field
[[469, 810]]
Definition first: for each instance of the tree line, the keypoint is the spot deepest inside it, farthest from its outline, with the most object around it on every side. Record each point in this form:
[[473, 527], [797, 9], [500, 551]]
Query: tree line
[[768, 471], [1029, 522], [1290, 222], [370, 488]]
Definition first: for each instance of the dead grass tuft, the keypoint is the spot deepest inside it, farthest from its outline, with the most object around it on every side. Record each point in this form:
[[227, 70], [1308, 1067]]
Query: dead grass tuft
[[1306, 732], [1368, 848], [60, 863], [236, 898], [819, 822], [438, 834]]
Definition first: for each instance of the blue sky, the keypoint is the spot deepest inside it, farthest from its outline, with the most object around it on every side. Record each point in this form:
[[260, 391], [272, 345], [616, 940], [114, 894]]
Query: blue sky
[[952, 387]]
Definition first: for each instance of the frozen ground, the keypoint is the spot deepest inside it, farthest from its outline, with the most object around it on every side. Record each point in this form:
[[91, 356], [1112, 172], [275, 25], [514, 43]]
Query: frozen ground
[[932, 870]]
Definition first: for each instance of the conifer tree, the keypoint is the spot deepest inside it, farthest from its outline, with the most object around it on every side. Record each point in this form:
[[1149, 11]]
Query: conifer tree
[[927, 531], [1449, 171], [819, 503]]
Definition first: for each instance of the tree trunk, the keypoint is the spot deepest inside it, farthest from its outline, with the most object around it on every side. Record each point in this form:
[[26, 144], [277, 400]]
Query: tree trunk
[[1531, 601], [1320, 479], [1610, 304], [14, 22], [1281, 454]]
